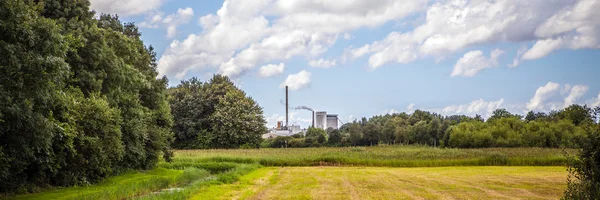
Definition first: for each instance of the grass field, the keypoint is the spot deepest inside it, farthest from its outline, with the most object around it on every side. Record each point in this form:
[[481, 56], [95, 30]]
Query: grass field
[[338, 173], [394, 183], [384, 156]]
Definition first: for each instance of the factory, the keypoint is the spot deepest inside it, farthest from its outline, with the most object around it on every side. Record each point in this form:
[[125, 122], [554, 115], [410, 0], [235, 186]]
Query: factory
[[320, 119]]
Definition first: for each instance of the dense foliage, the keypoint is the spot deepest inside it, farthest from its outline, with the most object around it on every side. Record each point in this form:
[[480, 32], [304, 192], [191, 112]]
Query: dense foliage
[[584, 178], [79, 100], [562, 128], [215, 114]]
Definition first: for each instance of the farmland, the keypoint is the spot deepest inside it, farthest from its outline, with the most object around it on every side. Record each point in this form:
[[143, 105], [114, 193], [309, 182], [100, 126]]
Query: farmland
[[394, 172]]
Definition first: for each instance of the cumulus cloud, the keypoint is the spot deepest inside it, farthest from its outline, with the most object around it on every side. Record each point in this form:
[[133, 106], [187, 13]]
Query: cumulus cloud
[[517, 60], [240, 37], [480, 106], [125, 8], [573, 27], [453, 25], [322, 63], [410, 106], [271, 70], [576, 92], [183, 16], [541, 95], [595, 102], [474, 61], [297, 81]]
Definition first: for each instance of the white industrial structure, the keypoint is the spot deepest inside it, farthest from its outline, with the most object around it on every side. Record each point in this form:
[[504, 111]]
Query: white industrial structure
[[321, 119], [332, 121]]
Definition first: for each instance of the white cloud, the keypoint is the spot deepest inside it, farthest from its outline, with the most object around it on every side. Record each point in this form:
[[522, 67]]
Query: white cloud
[[297, 81], [453, 25], [541, 95], [517, 60], [322, 63], [565, 89], [576, 92], [389, 112], [183, 16], [595, 102], [271, 70], [542, 48], [240, 37], [410, 106], [125, 8], [474, 61], [480, 106], [347, 36]]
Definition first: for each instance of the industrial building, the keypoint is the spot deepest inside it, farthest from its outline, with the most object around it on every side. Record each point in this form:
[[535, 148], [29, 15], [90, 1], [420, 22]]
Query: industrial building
[[320, 120], [332, 121], [325, 121]]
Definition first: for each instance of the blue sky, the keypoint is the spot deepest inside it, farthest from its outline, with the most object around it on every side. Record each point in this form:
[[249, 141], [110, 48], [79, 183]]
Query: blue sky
[[363, 58]]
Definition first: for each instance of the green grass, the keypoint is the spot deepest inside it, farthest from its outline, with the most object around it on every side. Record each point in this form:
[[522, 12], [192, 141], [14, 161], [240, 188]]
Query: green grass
[[202, 174], [127, 185], [384, 156]]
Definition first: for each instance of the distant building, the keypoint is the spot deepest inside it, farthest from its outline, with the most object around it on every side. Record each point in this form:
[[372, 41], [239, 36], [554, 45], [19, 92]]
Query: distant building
[[332, 121], [321, 119]]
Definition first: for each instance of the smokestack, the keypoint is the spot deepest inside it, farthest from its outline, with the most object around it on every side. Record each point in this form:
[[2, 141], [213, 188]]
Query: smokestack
[[286, 106], [313, 116]]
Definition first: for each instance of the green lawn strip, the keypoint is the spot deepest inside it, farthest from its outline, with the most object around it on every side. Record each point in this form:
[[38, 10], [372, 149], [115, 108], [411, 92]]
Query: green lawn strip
[[226, 178], [124, 186], [240, 189]]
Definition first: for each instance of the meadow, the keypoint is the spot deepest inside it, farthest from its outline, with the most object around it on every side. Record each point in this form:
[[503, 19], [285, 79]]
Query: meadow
[[394, 172]]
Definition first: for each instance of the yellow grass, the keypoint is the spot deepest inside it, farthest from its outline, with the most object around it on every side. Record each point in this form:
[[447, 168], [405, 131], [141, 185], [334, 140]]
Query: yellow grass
[[394, 183]]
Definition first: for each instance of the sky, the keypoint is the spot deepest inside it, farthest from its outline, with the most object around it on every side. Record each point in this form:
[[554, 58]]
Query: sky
[[360, 58]]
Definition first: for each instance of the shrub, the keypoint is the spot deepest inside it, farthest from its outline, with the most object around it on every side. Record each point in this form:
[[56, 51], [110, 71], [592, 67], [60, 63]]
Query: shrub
[[584, 177]]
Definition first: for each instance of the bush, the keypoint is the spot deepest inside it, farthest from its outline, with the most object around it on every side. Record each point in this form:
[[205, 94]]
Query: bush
[[584, 171]]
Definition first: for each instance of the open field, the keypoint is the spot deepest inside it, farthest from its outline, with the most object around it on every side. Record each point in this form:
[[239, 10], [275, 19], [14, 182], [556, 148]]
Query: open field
[[388, 156], [343, 173], [394, 183]]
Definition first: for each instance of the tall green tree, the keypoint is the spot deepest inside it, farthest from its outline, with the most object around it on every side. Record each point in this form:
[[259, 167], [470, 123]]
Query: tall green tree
[[215, 114], [79, 98]]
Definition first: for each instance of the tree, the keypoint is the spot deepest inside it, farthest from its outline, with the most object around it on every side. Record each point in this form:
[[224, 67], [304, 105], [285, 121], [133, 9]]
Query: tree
[[215, 114], [79, 98], [577, 114], [316, 134], [371, 133], [335, 137], [388, 135], [237, 120], [533, 116], [356, 134], [584, 171], [190, 113], [502, 113]]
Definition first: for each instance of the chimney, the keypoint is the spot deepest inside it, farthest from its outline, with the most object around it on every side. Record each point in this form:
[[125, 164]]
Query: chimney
[[313, 116], [286, 106]]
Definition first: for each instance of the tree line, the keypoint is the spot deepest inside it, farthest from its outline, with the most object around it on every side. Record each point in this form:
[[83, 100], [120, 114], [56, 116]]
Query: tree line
[[562, 128], [80, 101]]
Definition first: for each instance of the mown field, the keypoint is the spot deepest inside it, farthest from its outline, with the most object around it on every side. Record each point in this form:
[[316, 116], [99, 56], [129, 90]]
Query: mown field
[[383, 172], [501, 182]]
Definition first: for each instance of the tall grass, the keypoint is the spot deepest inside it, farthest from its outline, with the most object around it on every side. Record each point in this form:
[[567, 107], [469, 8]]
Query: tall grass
[[388, 156]]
